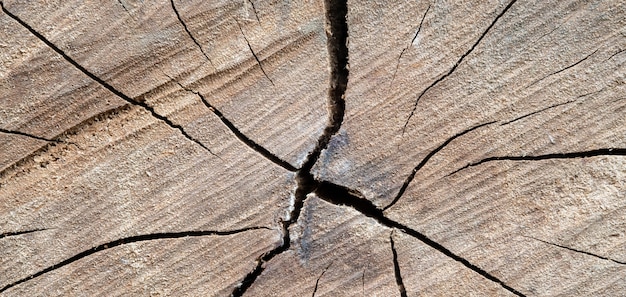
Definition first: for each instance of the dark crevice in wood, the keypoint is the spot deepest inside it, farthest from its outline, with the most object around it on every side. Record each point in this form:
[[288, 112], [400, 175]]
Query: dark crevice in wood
[[189, 32], [337, 37], [572, 155], [419, 166], [615, 54], [336, 12], [127, 240], [123, 6], [564, 69], [242, 137], [396, 268], [406, 48], [29, 135], [253, 53], [317, 282], [446, 75], [340, 195], [256, 14], [16, 233], [576, 250], [104, 84]]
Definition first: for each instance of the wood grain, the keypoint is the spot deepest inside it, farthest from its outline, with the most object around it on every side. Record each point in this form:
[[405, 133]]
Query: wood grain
[[213, 148]]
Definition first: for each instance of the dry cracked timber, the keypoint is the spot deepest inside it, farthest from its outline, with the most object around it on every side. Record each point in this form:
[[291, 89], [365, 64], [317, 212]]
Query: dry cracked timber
[[311, 184]]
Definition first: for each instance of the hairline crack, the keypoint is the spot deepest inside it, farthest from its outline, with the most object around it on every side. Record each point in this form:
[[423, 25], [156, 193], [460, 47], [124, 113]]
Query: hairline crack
[[189, 32]]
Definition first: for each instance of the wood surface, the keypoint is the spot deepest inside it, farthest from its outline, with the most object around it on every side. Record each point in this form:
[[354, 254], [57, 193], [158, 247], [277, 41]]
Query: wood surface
[[312, 148]]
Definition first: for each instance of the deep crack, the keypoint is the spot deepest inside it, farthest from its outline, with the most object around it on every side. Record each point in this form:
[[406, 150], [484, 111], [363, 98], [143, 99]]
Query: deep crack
[[253, 53], [29, 135], [242, 137], [576, 250], [123, 241], [340, 195], [103, 83], [189, 32], [443, 77], [419, 166], [396, 268], [572, 155]]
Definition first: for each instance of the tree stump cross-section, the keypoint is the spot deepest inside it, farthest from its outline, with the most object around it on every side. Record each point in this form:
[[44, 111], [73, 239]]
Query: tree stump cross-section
[[312, 148]]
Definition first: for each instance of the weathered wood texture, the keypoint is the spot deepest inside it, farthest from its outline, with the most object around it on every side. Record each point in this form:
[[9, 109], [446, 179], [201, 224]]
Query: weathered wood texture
[[210, 148]]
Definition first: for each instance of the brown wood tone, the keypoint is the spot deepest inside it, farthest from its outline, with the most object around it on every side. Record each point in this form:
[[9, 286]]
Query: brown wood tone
[[312, 148]]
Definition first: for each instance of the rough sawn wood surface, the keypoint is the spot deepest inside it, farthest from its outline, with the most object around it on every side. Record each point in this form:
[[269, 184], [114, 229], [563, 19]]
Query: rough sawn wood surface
[[312, 148]]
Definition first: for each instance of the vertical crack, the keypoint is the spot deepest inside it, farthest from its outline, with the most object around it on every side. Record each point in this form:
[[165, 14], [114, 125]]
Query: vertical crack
[[189, 32], [253, 53], [419, 166], [127, 240], [29, 135], [407, 47], [104, 84], [443, 77], [396, 268], [337, 36], [318, 279], [576, 250], [256, 14]]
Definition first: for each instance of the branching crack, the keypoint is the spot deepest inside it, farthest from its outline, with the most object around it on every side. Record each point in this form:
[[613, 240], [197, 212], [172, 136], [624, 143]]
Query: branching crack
[[443, 77], [337, 35], [396, 268], [189, 33], [104, 84], [407, 47], [16, 233], [419, 166], [127, 240], [317, 282], [572, 155], [575, 250], [340, 195], [242, 137], [29, 135], [253, 53], [566, 68]]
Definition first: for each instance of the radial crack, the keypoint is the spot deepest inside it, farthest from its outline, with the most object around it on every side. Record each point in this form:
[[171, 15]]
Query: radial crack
[[337, 36], [340, 195], [253, 53], [572, 155], [320, 277], [256, 14], [16, 233], [127, 240], [419, 166], [575, 250], [242, 137], [566, 68], [189, 33], [407, 47], [29, 135], [443, 77], [396, 268], [103, 83]]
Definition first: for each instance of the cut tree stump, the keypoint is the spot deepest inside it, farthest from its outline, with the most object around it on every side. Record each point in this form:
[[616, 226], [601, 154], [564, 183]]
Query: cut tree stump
[[312, 148]]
